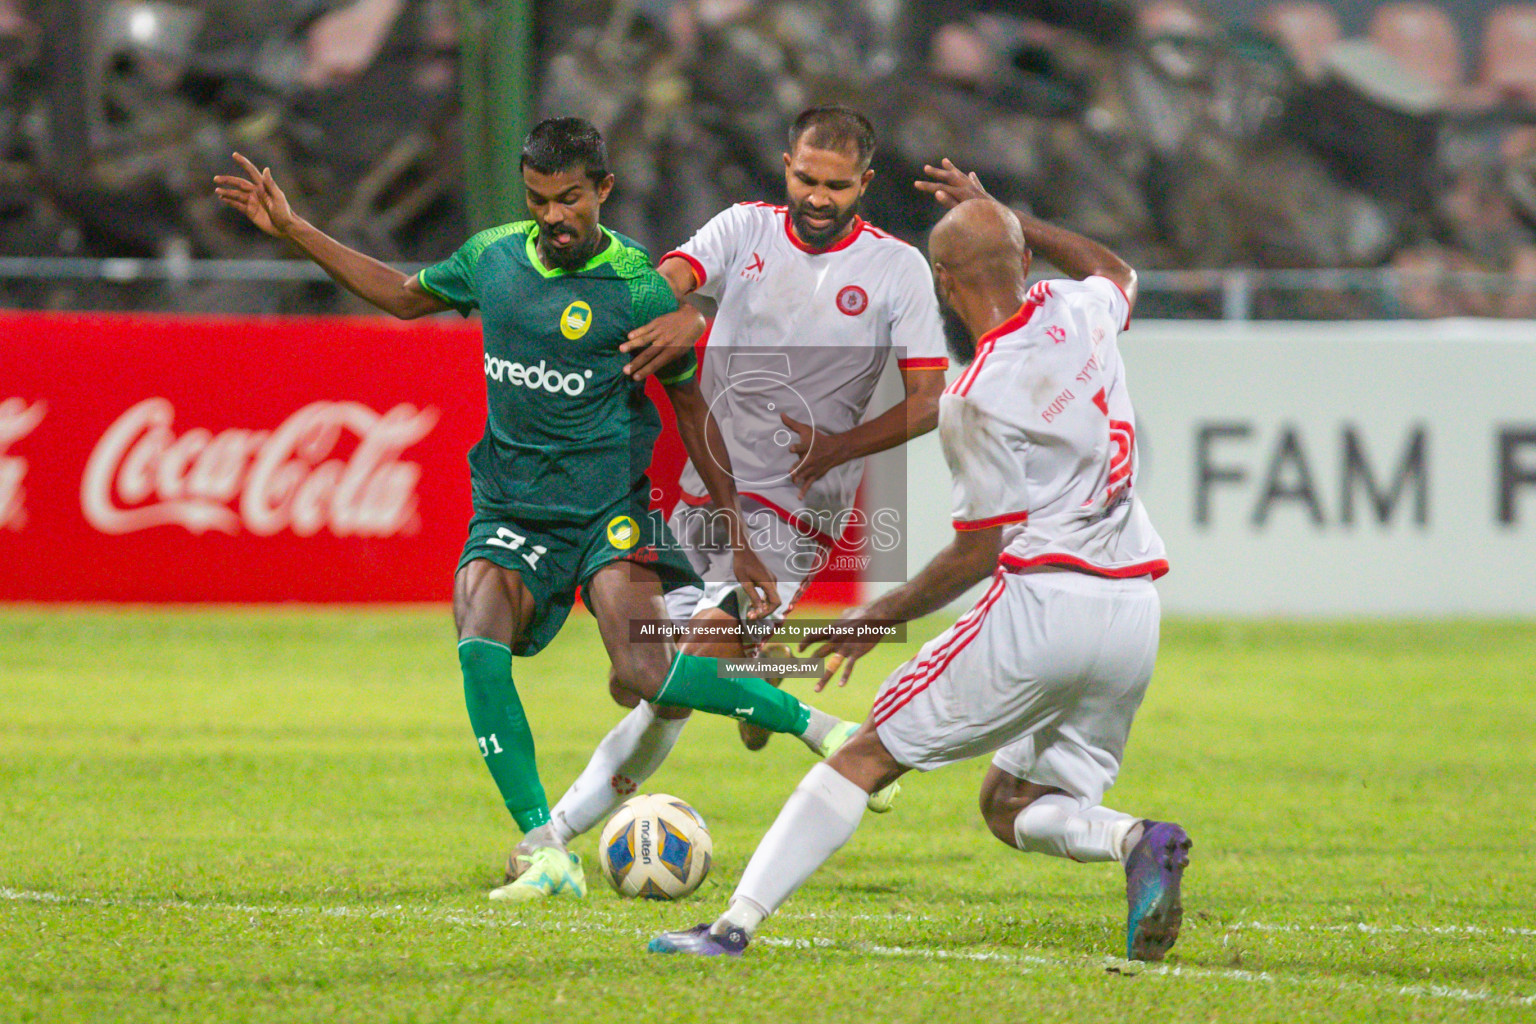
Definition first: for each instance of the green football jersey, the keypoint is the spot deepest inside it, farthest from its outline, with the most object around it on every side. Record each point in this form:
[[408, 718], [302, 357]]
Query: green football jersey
[[566, 432]]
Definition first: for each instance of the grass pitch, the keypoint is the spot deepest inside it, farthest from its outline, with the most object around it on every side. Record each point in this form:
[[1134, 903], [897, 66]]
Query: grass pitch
[[282, 815]]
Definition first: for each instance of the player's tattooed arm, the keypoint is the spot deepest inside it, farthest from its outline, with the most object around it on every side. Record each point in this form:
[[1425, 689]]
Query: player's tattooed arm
[[266, 205], [970, 558], [915, 414], [706, 447], [670, 335], [1073, 254]]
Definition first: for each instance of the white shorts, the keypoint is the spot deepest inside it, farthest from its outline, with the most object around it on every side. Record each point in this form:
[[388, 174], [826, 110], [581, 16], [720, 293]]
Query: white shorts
[[789, 554], [1047, 669]]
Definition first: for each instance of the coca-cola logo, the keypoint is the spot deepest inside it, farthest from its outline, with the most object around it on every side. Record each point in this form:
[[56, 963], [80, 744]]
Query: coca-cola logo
[[143, 474], [18, 418]]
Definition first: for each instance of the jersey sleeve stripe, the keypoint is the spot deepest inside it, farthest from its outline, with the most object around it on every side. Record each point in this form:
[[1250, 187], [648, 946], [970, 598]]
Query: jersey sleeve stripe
[[931, 363], [1127, 325], [699, 276], [426, 286], [693, 368], [991, 521], [1155, 568]]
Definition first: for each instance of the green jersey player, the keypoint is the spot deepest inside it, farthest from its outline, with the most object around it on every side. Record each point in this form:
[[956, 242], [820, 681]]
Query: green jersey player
[[560, 491]]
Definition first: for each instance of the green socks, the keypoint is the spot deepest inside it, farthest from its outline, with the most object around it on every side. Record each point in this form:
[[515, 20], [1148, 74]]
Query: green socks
[[506, 742], [694, 682]]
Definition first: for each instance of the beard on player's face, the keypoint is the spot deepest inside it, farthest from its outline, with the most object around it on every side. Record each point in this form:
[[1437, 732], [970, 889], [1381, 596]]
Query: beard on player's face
[[957, 336], [568, 246], [819, 225]]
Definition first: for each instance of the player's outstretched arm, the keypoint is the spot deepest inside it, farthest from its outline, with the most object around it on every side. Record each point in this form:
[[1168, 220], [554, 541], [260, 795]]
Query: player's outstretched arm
[[970, 558], [1075, 255], [670, 335], [265, 205], [706, 447]]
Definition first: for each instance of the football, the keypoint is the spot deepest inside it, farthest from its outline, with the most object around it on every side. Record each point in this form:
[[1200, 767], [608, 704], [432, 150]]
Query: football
[[656, 847]]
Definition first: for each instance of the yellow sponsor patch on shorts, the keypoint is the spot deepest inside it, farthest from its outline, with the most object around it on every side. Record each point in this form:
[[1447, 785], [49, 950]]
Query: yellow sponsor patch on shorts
[[623, 532]]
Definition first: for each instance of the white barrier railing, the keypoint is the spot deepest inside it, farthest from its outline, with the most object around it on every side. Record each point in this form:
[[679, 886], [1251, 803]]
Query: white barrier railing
[[1236, 288]]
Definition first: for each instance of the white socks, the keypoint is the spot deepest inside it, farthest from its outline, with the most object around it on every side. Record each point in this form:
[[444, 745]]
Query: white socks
[[627, 756], [817, 729], [1064, 826], [819, 817]]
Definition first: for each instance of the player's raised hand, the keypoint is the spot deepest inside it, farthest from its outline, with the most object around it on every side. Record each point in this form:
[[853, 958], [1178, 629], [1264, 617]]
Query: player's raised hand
[[950, 185], [662, 340], [818, 451], [256, 196], [842, 644], [762, 589]]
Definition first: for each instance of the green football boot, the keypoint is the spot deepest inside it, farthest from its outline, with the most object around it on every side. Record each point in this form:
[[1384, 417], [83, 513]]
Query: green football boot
[[551, 871], [881, 800]]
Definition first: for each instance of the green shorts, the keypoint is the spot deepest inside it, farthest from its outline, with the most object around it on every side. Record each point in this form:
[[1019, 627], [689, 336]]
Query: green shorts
[[554, 558]]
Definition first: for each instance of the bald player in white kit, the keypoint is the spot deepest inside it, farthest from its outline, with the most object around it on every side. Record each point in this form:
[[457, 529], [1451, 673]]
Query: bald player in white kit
[[813, 304], [1049, 667]]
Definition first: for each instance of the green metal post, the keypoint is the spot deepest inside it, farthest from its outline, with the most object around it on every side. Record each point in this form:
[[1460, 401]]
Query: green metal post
[[497, 90]]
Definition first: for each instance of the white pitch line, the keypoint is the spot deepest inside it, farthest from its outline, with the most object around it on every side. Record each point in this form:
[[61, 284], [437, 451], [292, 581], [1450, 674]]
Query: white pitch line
[[496, 919], [1380, 929]]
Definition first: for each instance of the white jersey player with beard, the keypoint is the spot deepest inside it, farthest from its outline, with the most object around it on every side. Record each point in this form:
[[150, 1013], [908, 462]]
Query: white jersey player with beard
[[813, 303], [804, 333]]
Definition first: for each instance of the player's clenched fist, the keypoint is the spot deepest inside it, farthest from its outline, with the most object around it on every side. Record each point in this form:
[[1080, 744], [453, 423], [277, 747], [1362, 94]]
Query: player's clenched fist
[[258, 197]]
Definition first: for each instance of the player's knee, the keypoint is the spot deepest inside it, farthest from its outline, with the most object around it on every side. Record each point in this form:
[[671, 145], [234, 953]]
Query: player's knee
[[999, 813], [639, 677], [1003, 798], [865, 762], [621, 693]]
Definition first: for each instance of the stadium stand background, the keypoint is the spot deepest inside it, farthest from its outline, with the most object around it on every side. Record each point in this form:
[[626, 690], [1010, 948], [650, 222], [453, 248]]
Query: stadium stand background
[[1393, 144]]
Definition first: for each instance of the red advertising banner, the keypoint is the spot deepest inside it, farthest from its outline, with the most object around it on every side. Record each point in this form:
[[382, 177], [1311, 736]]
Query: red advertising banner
[[159, 458]]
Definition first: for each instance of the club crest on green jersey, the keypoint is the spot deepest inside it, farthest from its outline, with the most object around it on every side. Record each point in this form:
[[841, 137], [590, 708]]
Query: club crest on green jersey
[[576, 320]]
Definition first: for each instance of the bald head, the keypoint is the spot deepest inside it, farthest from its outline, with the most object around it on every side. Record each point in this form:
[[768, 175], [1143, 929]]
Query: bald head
[[978, 241], [980, 260]]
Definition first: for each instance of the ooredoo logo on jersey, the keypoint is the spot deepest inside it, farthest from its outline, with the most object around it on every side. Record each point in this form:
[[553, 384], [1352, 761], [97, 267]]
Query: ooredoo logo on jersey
[[537, 377]]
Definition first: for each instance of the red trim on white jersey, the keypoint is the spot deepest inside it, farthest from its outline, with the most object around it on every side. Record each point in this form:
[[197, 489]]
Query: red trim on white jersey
[[699, 276], [797, 522], [985, 343], [847, 240], [886, 235], [991, 521], [931, 363], [1127, 325], [924, 673], [1155, 568]]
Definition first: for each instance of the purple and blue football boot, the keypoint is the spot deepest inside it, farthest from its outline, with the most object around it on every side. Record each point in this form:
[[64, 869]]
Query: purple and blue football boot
[[698, 941], [1153, 872]]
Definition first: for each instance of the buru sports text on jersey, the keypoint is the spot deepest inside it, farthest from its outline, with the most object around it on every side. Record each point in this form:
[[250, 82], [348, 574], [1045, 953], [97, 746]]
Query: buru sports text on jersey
[[536, 376]]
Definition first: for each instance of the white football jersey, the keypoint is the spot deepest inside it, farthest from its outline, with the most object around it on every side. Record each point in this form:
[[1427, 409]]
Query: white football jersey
[[1041, 439], [805, 333]]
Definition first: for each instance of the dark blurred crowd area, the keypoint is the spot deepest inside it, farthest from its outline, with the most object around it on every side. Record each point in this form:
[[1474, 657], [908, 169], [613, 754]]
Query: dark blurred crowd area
[[1279, 136]]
